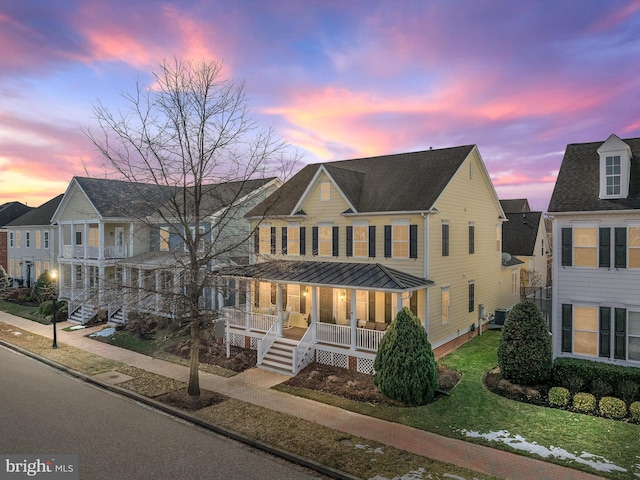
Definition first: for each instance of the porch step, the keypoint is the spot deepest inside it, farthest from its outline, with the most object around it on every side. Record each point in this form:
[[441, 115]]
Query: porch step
[[117, 319], [9, 293], [280, 356], [77, 316]]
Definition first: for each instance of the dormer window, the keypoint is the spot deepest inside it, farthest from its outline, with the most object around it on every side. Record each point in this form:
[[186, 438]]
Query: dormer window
[[615, 166]]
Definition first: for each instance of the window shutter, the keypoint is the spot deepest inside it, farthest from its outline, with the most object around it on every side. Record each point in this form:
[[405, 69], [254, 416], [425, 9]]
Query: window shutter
[[605, 331], [567, 259], [387, 241], [256, 294], [620, 352], [284, 240], [472, 239], [335, 239], [303, 241], [256, 240], [273, 240], [413, 241], [472, 300], [314, 240], [445, 239], [620, 260], [387, 307], [605, 247], [567, 327], [349, 241], [372, 241], [413, 303], [372, 306]]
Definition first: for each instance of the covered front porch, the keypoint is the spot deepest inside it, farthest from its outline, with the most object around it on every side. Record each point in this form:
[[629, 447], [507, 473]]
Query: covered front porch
[[336, 313]]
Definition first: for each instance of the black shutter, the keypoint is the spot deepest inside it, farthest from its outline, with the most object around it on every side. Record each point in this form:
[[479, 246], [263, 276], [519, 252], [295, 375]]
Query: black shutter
[[256, 294], [472, 300], [349, 241], [413, 241], [372, 306], [620, 260], [256, 240], [413, 303], [567, 327], [284, 240], [445, 239], [273, 240], [567, 241], [387, 241], [303, 240], [387, 307], [605, 331], [620, 351], [314, 240], [303, 299], [605, 248], [472, 239], [335, 239], [284, 298], [372, 241]]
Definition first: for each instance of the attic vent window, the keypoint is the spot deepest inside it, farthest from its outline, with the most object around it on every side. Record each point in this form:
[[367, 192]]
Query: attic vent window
[[613, 175], [325, 191]]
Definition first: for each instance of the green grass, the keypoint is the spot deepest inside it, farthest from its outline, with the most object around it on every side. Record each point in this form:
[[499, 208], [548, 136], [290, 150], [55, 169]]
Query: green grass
[[30, 313], [472, 407], [131, 342]]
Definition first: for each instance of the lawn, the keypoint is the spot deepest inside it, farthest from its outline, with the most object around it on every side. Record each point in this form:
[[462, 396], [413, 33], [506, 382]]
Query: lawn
[[609, 446], [24, 311]]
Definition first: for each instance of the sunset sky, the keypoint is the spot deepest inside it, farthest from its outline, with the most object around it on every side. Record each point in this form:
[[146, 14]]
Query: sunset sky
[[337, 79]]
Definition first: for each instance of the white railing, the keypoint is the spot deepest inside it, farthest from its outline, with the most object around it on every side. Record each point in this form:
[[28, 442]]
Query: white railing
[[78, 251], [334, 334], [303, 353], [115, 251], [367, 339], [260, 322], [266, 342]]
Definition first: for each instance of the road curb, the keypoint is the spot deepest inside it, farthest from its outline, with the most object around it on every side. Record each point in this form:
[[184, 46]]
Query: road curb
[[183, 415]]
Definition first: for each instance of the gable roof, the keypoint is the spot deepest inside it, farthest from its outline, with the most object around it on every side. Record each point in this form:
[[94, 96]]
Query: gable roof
[[577, 188], [520, 232], [389, 183], [38, 216], [515, 205], [11, 210]]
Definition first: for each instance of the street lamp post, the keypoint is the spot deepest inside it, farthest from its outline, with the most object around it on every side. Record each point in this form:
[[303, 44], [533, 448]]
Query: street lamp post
[[54, 275]]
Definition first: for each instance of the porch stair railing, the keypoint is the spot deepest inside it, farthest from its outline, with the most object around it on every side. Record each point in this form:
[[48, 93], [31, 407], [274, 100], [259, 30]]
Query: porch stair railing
[[266, 342], [303, 353]]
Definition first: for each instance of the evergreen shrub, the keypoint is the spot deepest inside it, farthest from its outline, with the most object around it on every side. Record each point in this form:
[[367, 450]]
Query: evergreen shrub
[[559, 396], [634, 410], [612, 407], [584, 402]]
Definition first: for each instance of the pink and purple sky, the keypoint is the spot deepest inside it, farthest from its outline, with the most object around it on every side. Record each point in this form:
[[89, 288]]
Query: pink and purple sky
[[337, 79]]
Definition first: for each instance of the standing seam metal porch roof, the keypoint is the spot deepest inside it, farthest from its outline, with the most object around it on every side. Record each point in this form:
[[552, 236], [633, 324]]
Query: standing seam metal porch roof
[[364, 276]]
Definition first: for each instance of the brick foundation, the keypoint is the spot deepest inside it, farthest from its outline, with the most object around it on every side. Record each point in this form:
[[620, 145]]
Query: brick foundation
[[452, 345], [353, 363]]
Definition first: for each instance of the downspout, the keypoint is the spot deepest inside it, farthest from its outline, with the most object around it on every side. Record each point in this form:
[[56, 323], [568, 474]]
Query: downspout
[[426, 270]]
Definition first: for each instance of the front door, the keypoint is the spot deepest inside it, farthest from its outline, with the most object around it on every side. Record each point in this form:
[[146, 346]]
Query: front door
[[326, 305], [119, 240]]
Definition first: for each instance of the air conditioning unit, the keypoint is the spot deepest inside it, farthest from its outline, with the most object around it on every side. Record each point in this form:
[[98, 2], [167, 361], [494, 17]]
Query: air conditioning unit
[[501, 316]]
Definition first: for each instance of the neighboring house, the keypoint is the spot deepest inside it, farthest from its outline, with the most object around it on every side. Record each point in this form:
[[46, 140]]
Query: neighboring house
[[524, 236], [345, 245], [595, 208], [32, 244], [8, 213], [116, 255]]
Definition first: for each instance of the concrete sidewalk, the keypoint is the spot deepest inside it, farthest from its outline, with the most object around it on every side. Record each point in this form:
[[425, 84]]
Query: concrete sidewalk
[[253, 386]]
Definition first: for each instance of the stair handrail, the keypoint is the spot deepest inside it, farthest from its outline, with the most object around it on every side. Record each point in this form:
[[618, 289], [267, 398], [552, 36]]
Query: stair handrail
[[266, 342], [302, 354]]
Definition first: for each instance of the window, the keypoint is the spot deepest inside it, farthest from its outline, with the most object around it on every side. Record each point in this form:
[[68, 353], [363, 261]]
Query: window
[[46, 239], [19, 269], [78, 238], [11, 267], [612, 175], [362, 304], [514, 282], [78, 274], [201, 232], [472, 298], [585, 331], [94, 237], [27, 239], [325, 191], [293, 298], [164, 239], [634, 247], [585, 252], [293, 240], [265, 295], [472, 239], [361, 240], [633, 339], [46, 266], [38, 268], [325, 240], [445, 305], [400, 240], [38, 239], [11, 239], [264, 233], [445, 239]]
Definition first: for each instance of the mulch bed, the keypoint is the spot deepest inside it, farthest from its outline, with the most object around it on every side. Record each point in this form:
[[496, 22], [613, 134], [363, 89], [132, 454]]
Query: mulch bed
[[182, 400]]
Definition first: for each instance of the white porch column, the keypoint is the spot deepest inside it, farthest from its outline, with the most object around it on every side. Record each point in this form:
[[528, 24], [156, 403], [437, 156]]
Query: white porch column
[[131, 232], [156, 296], [73, 239], [140, 284], [85, 239], [426, 309], [314, 311], [60, 241], [398, 304], [101, 240], [100, 283], [248, 305], [354, 320], [73, 280], [279, 308]]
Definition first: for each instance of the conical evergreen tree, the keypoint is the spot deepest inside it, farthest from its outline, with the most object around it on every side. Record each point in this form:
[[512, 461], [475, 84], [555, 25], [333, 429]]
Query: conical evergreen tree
[[405, 366]]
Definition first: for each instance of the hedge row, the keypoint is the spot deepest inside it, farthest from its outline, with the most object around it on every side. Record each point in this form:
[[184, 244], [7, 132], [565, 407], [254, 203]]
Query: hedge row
[[609, 407]]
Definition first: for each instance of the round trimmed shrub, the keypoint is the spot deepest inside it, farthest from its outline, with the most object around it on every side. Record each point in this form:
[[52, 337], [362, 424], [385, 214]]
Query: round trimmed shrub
[[584, 402], [524, 354], [559, 396], [634, 410], [612, 407], [405, 365]]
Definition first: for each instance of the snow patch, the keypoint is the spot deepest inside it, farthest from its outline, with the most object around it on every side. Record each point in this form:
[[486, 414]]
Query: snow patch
[[17, 334], [107, 332], [77, 327], [368, 449], [518, 442]]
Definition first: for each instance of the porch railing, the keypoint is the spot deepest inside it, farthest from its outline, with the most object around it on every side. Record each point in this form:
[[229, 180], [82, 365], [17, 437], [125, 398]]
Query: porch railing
[[333, 334], [78, 251], [260, 322], [266, 342], [368, 339], [303, 353]]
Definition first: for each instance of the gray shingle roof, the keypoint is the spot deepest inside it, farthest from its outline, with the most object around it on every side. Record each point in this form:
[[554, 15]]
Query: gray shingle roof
[[365, 276], [38, 216], [12, 210], [577, 188], [515, 205], [402, 182], [520, 232]]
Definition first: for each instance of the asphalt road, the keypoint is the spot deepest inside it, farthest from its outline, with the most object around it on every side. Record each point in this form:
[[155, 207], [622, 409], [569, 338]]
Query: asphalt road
[[43, 411]]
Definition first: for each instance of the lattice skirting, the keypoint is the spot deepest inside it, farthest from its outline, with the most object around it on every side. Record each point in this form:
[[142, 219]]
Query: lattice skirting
[[365, 365], [331, 358], [254, 343], [236, 340]]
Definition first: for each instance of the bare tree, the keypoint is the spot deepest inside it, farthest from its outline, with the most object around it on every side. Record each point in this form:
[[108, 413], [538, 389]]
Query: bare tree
[[190, 135]]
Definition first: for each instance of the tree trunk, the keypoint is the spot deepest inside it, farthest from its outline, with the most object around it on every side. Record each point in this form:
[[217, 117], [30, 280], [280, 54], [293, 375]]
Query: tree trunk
[[194, 359]]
